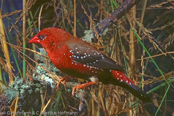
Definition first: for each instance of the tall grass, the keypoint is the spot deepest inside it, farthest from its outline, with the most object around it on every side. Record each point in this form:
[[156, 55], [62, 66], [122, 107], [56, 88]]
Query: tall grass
[[24, 36]]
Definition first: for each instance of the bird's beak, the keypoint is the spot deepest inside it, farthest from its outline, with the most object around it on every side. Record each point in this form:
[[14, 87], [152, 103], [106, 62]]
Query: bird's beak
[[35, 39]]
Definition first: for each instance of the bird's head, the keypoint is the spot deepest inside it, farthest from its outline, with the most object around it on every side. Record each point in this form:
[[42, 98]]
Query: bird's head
[[50, 36]]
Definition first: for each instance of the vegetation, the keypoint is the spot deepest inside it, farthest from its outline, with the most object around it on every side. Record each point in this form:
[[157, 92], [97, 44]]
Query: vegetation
[[140, 40]]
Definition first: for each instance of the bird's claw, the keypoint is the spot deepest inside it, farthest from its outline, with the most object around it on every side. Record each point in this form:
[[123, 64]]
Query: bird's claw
[[76, 88], [63, 79], [82, 86]]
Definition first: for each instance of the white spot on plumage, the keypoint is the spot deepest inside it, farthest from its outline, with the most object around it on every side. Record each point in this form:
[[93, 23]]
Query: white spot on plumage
[[81, 57], [94, 53], [77, 52], [117, 73], [117, 78], [121, 80], [72, 63], [64, 54], [96, 60], [126, 81], [77, 56], [76, 48], [120, 75], [102, 56]]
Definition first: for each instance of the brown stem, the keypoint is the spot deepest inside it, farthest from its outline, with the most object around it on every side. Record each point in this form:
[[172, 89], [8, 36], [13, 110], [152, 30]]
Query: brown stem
[[132, 44]]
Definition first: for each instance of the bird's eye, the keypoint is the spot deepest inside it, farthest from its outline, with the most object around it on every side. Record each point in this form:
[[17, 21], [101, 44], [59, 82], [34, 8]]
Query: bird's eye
[[42, 36]]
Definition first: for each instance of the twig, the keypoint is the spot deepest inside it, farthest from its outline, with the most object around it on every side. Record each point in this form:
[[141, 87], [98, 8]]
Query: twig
[[101, 27]]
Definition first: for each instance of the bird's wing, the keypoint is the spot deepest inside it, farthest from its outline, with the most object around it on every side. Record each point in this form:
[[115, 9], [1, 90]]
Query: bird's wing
[[84, 53]]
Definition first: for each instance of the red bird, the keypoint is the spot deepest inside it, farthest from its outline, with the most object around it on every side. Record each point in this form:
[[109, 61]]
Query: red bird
[[78, 58]]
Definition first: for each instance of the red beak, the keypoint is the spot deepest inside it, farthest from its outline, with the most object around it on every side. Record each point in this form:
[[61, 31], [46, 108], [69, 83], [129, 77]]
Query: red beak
[[35, 39]]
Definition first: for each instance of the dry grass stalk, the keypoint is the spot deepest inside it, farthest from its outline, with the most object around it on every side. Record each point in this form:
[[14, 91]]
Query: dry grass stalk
[[143, 67], [13, 107], [10, 14], [142, 15], [132, 54], [157, 55], [132, 44], [75, 22], [5, 49]]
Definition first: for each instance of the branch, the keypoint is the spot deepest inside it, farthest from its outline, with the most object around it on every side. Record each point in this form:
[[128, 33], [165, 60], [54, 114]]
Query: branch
[[101, 28]]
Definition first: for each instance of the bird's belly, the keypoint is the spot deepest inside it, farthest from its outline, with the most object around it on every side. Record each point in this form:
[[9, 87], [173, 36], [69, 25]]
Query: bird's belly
[[80, 70]]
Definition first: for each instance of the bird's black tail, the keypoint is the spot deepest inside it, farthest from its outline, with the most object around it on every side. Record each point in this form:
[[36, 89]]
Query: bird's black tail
[[136, 91], [129, 85]]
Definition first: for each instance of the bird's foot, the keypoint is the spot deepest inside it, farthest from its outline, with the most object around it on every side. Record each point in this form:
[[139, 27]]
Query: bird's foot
[[82, 86], [63, 79]]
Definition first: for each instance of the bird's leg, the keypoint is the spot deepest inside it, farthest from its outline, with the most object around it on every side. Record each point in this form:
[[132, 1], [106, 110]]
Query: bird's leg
[[93, 79], [82, 86], [64, 79]]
